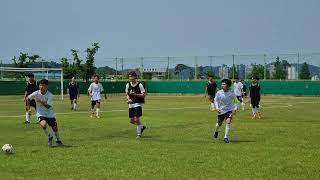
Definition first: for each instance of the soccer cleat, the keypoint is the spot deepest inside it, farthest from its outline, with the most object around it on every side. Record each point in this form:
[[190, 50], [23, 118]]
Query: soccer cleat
[[58, 142], [98, 117], [138, 137], [50, 140], [142, 129], [215, 135], [226, 140], [27, 122], [92, 114]]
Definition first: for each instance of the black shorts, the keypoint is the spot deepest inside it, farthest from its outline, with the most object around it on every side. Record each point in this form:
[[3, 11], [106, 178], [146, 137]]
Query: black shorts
[[211, 97], [93, 103], [255, 102], [73, 96], [50, 121], [32, 103], [135, 112], [239, 98], [222, 117]]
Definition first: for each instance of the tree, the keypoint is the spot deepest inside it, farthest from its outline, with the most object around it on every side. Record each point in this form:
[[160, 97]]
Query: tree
[[168, 74], [280, 69], [211, 73], [77, 67], [179, 68], [68, 71], [89, 68], [304, 73], [23, 61], [255, 71], [232, 70]]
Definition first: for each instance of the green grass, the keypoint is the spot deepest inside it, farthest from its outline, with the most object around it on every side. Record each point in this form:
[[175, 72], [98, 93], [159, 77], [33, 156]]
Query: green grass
[[178, 143]]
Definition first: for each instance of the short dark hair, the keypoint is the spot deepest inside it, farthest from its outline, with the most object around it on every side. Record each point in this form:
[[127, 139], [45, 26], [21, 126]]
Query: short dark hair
[[44, 81], [227, 81], [132, 73], [96, 75], [242, 80], [30, 75], [210, 76]]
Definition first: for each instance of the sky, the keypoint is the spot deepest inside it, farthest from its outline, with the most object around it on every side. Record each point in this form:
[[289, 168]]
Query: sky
[[135, 28]]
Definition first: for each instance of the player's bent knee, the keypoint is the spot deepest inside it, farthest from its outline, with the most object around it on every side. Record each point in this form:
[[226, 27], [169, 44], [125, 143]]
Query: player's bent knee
[[228, 121], [43, 123]]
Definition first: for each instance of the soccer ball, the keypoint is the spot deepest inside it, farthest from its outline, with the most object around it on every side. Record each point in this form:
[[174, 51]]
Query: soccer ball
[[7, 148]]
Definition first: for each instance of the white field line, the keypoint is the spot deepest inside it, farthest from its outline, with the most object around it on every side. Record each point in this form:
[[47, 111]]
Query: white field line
[[157, 109]]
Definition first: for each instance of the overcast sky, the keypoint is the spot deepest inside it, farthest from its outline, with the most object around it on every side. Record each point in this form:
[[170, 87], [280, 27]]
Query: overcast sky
[[133, 28]]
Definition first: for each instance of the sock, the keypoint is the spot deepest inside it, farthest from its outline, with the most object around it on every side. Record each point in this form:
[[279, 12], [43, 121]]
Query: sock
[[253, 111], [216, 128], [213, 106], [28, 116], [46, 132], [57, 135], [92, 111], [139, 127], [74, 105], [97, 111], [238, 105], [226, 135], [243, 105]]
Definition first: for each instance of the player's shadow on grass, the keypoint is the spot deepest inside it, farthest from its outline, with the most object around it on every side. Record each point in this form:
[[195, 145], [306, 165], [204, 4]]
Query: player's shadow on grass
[[63, 146], [242, 141]]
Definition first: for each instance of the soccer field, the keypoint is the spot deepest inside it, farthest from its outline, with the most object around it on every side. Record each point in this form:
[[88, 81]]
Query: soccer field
[[178, 142]]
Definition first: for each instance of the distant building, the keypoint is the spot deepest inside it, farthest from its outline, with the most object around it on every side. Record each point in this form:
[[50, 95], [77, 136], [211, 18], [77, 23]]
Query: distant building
[[272, 70], [156, 73], [292, 73], [224, 72], [248, 71], [315, 78], [241, 69]]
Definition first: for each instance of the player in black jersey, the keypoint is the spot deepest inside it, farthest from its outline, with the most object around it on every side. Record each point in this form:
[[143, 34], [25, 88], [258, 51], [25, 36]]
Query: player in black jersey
[[31, 86], [73, 93], [210, 91], [244, 89], [135, 96], [255, 97]]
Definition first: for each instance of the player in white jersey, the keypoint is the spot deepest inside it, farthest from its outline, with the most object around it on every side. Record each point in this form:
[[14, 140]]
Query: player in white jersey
[[94, 91], [225, 107], [238, 91], [45, 114]]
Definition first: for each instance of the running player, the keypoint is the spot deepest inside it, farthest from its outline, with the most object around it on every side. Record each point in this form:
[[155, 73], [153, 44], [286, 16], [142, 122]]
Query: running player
[[238, 91], [45, 114], [135, 96], [94, 91], [73, 93], [210, 91], [225, 108], [255, 97], [32, 86]]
